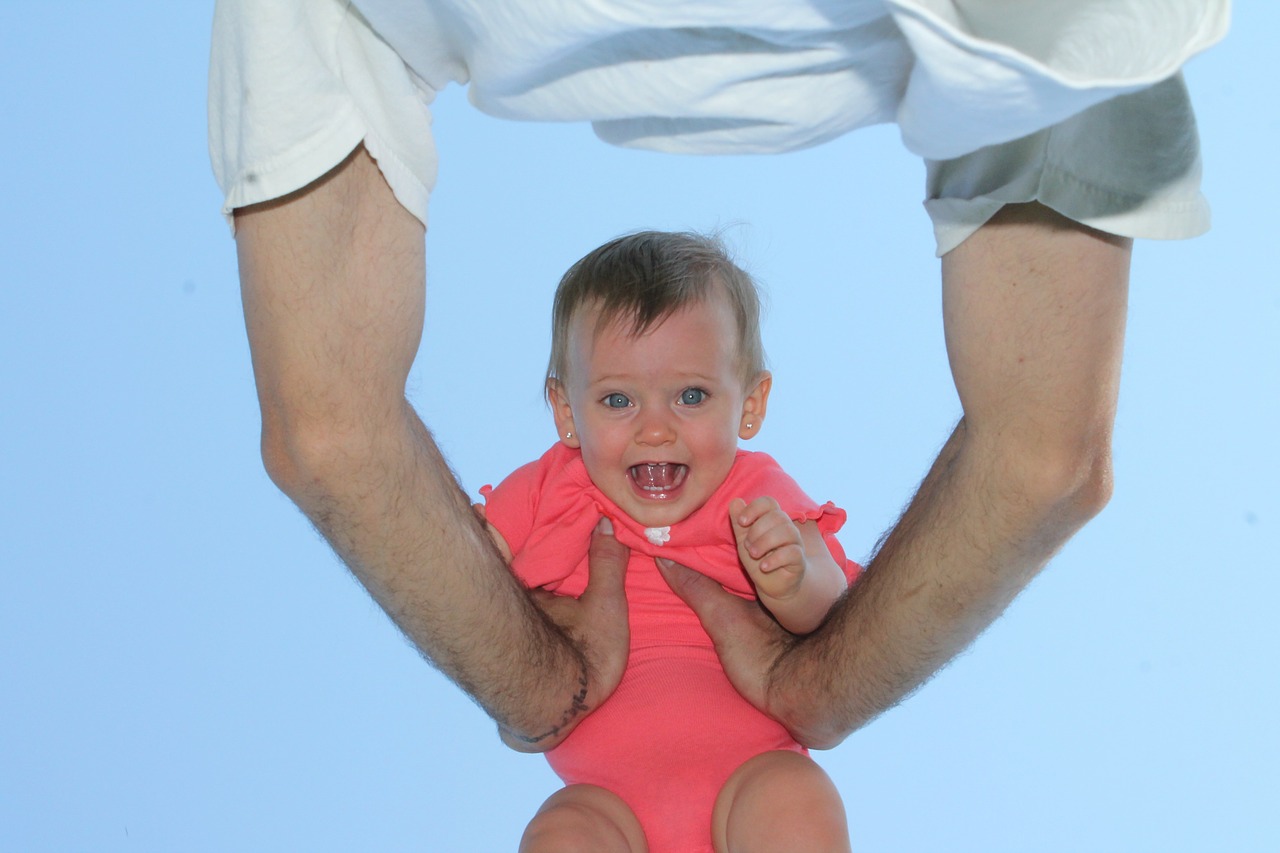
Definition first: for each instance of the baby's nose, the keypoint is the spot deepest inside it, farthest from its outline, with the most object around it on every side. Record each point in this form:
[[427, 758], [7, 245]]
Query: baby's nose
[[655, 428]]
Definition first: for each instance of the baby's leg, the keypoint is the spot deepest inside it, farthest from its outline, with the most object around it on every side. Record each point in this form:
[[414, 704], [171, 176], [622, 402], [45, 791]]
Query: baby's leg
[[584, 819], [779, 801]]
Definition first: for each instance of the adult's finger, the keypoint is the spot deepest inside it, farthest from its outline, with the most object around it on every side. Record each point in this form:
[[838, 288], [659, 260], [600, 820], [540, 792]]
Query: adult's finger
[[601, 624], [746, 639], [607, 560]]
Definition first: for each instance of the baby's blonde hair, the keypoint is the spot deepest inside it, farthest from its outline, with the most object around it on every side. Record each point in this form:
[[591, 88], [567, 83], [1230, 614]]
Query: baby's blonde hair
[[643, 278]]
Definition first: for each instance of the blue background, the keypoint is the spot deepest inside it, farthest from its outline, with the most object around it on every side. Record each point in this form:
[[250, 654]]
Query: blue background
[[184, 665]]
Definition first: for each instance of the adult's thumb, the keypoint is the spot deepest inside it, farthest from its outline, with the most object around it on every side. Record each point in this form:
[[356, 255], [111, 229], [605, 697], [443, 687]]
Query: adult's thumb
[[607, 561]]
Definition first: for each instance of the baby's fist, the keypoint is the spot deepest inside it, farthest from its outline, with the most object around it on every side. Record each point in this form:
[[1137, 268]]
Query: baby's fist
[[769, 546]]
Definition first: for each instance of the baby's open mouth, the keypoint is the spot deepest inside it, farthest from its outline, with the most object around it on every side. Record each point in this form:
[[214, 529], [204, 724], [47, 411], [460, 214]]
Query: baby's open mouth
[[656, 479]]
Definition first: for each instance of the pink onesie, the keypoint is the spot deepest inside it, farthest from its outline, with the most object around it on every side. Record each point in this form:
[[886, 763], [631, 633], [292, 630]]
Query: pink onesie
[[675, 729]]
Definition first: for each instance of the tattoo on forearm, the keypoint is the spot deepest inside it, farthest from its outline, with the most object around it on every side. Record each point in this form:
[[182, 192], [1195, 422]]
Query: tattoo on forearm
[[577, 705]]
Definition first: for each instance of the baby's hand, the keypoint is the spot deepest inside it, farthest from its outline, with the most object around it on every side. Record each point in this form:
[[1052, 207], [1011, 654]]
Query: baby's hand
[[770, 548]]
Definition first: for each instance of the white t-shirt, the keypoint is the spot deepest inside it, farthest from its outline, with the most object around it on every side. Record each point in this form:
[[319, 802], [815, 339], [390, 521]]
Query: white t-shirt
[[1075, 103]]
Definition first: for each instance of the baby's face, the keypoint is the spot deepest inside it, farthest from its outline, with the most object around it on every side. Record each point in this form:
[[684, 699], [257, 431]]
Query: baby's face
[[658, 417]]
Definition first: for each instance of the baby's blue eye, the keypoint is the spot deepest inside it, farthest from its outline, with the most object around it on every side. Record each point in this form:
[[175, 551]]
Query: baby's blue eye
[[692, 396], [617, 401]]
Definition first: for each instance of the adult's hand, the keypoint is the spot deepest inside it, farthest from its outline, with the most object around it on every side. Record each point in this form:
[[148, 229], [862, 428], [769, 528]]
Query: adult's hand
[[747, 640], [595, 622]]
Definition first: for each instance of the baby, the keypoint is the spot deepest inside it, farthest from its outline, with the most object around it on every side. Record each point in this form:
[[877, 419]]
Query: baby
[[656, 372]]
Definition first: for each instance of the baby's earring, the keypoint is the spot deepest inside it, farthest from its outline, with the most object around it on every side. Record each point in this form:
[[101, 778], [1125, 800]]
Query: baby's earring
[[568, 435]]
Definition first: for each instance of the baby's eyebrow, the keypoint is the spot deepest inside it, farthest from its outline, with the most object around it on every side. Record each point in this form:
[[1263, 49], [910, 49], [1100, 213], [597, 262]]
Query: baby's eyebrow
[[683, 380], [612, 379]]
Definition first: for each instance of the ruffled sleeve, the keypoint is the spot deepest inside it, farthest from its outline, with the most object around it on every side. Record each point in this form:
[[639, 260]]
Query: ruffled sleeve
[[546, 511], [511, 506], [830, 518], [757, 475]]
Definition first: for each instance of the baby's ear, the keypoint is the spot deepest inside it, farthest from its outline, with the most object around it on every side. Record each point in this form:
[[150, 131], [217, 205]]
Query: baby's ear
[[558, 399], [755, 405]]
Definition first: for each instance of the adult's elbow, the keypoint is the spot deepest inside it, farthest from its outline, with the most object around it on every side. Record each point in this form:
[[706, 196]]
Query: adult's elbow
[[815, 723], [1068, 484], [822, 734], [308, 460], [520, 743]]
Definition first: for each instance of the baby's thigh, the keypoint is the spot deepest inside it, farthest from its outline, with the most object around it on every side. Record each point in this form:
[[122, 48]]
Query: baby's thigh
[[779, 801], [584, 819]]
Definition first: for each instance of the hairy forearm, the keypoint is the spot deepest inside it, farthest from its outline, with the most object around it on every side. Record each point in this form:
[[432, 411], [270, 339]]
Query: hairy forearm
[[967, 545], [385, 501], [1034, 307], [332, 282]]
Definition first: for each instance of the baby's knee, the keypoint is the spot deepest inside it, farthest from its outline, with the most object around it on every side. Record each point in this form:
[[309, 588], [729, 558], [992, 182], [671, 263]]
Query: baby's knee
[[780, 801], [584, 819]]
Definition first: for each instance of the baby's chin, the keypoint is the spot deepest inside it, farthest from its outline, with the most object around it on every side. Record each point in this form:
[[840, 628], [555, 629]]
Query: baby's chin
[[660, 519]]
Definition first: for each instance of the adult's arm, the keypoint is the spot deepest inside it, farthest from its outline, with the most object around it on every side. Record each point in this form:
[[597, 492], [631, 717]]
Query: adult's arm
[[1034, 307], [333, 287]]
